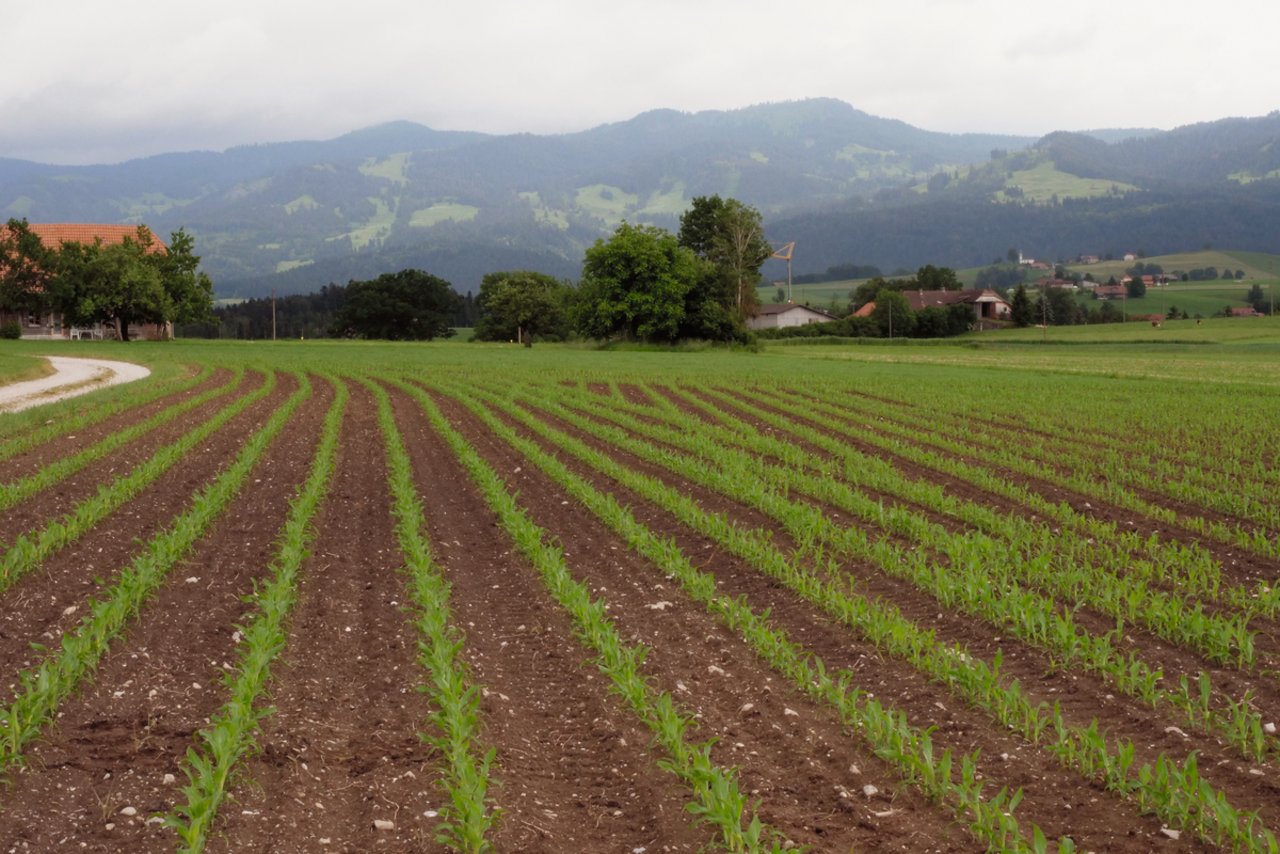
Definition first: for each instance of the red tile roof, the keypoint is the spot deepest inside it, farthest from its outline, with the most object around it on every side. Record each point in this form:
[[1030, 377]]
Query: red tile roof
[[920, 300], [54, 234]]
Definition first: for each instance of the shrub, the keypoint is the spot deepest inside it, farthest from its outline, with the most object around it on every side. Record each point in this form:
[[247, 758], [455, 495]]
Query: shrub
[[11, 330]]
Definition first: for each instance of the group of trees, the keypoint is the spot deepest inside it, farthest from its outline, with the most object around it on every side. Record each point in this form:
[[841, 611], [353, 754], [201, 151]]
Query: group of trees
[[135, 281], [410, 305], [645, 283], [1262, 301], [927, 278], [642, 284], [521, 305], [1058, 307]]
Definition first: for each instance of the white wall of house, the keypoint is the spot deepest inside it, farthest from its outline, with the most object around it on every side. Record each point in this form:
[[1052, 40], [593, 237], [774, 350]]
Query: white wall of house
[[795, 316]]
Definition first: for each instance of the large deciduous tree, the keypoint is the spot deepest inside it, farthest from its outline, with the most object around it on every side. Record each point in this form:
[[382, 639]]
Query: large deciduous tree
[[135, 281], [730, 235], [521, 304], [893, 315], [407, 306], [189, 290], [635, 285], [25, 267]]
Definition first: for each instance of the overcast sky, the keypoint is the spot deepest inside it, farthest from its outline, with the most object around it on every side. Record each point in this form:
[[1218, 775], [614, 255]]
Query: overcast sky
[[86, 81]]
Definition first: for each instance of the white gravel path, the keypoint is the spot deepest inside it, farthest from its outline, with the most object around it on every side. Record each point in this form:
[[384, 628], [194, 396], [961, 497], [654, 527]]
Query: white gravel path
[[70, 377]]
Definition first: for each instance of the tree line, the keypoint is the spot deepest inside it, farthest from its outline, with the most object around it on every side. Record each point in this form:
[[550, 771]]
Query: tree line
[[643, 283]]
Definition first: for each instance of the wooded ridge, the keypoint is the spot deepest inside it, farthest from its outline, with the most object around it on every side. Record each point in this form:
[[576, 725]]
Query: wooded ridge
[[845, 185]]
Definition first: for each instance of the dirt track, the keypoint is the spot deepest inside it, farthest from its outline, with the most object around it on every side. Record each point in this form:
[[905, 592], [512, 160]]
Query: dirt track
[[71, 376]]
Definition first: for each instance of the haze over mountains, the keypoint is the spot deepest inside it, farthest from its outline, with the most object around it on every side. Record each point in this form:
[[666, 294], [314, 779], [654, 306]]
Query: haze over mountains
[[846, 186]]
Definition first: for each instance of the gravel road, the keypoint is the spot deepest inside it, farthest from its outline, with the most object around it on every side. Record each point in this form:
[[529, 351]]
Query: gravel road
[[71, 376]]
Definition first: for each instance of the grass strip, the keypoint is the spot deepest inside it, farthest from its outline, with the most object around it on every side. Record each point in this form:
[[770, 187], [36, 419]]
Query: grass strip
[[231, 731], [43, 687]]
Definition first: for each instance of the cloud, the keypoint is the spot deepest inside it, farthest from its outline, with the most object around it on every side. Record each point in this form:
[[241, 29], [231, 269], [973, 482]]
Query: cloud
[[139, 76]]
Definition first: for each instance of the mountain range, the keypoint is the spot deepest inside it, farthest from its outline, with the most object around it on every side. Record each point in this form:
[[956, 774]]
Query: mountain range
[[848, 187]]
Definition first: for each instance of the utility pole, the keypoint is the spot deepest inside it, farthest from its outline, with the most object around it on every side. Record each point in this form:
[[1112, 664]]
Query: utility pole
[[273, 314]]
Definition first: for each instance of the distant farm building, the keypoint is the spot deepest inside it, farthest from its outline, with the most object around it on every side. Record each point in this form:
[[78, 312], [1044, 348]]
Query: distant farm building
[[1053, 282], [785, 314], [987, 304], [50, 324]]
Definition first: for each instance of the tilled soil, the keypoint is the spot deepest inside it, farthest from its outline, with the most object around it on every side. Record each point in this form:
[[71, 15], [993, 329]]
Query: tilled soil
[[794, 756], [118, 745], [574, 770], [1060, 802], [577, 770], [46, 602], [342, 748]]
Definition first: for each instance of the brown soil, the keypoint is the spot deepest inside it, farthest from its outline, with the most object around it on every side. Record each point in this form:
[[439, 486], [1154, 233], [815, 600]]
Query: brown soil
[[574, 769], [63, 496], [116, 742], [342, 749], [49, 600], [803, 766], [1080, 695]]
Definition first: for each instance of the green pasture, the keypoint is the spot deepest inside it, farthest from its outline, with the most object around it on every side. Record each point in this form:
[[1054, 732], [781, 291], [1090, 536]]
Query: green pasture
[[1218, 350], [1043, 182], [818, 295], [1256, 265], [16, 367], [1204, 298]]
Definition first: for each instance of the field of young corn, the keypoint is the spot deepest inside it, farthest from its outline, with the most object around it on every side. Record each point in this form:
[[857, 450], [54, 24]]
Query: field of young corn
[[330, 597]]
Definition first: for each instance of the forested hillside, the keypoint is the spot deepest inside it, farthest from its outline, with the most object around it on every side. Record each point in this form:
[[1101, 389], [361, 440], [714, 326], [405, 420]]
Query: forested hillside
[[846, 186]]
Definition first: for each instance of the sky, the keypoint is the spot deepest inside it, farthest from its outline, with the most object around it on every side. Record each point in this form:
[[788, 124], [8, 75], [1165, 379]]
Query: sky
[[91, 82]]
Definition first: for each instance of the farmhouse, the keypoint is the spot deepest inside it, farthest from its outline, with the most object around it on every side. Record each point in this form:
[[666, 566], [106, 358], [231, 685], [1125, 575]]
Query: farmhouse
[[1110, 292], [987, 304], [1247, 311], [1054, 282], [781, 315], [50, 324]]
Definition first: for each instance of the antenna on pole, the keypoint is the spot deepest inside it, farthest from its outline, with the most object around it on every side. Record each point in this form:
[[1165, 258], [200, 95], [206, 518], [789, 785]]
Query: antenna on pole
[[784, 253]]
